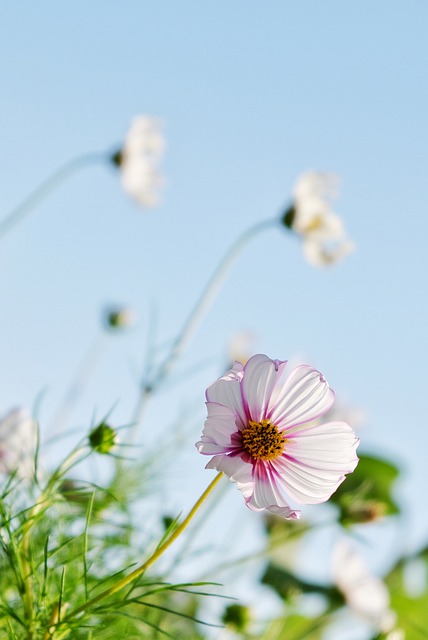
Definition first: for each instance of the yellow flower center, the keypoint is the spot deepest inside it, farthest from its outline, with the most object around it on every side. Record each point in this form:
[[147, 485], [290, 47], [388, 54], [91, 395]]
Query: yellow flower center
[[263, 440], [314, 224]]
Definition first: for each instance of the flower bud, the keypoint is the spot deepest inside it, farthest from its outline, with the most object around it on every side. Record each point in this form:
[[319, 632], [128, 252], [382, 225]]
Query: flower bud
[[119, 317], [103, 438], [288, 217], [236, 617]]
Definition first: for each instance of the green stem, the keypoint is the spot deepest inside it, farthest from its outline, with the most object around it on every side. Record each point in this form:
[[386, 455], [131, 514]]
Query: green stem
[[73, 458], [50, 184], [199, 310], [84, 371], [28, 599], [26, 529], [157, 553]]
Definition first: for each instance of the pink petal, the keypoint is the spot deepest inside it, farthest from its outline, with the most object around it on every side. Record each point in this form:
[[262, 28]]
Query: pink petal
[[261, 375], [236, 470], [304, 396], [268, 493], [227, 391], [219, 427], [285, 512]]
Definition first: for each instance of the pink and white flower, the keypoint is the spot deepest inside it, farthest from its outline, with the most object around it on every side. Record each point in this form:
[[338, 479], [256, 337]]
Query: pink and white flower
[[256, 430]]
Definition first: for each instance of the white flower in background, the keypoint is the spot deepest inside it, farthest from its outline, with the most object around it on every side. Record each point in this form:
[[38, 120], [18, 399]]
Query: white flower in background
[[18, 441], [364, 593], [139, 160], [312, 218]]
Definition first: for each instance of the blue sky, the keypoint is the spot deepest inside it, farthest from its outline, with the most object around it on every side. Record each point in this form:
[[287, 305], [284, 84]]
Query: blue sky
[[251, 95]]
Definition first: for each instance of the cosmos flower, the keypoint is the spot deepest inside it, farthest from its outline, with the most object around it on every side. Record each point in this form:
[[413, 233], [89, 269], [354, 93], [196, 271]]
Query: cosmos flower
[[311, 217], [18, 439], [256, 430], [364, 593], [139, 159]]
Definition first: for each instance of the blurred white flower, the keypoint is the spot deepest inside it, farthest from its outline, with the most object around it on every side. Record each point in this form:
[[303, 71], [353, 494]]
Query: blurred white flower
[[396, 634], [364, 593], [18, 441], [139, 160], [312, 218]]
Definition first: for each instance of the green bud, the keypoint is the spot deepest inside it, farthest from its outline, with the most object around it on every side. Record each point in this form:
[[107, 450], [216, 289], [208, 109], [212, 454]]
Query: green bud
[[167, 522], [119, 318], [288, 217], [236, 617], [103, 438], [116, 158]]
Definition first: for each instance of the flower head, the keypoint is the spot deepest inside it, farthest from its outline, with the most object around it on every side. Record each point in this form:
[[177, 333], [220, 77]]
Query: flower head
[[103, 438], [18, 441], [116, 317], [139, 159], [256, 430], [311, 217], [364, 593]]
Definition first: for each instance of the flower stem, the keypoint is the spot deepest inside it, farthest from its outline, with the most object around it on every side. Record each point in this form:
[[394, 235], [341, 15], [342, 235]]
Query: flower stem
[[84, 371], [50, 184], [151, 560], [41, 503], [199, 310]]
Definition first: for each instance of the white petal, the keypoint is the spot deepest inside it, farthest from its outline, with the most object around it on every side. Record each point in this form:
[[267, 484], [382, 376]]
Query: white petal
[[219, 428], [141, 181], [304, 396], [320, 254], [227, 391], [315, 184], [306, 486], [144, 136], [140, 157], [315, 462], [261, 375], [331, 446], [236, 470]]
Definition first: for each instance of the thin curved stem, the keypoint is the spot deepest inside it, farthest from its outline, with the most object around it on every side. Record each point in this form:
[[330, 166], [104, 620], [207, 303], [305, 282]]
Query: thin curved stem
[[50, 184], [152, 559], [81, 378], [199, 310]]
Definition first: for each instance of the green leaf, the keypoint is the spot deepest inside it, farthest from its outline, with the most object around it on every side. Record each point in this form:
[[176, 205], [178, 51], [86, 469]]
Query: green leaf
[[366, 493], [296, 627], [411, 610], [289, 586]]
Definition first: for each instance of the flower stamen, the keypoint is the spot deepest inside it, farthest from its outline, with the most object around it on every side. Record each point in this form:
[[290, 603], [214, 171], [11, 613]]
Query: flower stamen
[[263, 440], [314, 224]]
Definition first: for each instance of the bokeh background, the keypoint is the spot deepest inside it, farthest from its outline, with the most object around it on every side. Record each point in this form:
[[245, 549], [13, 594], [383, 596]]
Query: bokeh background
[[250, 95]]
